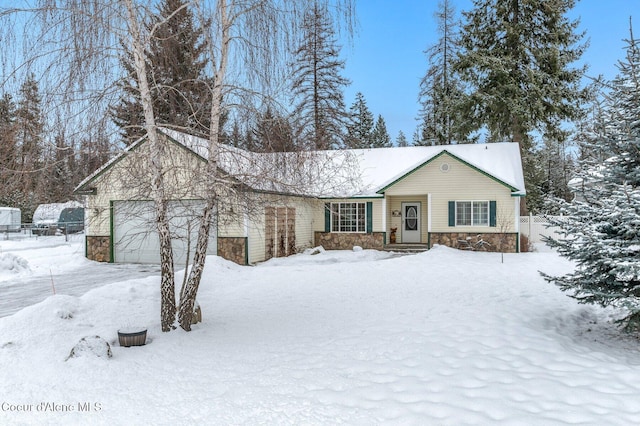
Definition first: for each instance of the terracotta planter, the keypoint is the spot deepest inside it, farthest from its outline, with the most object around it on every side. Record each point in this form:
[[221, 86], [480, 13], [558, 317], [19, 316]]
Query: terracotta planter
[[132, 337]]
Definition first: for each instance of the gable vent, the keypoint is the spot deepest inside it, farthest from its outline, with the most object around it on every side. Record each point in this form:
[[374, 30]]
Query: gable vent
[[444, 167]]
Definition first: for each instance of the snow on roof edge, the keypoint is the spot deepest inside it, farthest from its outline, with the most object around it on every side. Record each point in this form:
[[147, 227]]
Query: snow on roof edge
[[509, 172]]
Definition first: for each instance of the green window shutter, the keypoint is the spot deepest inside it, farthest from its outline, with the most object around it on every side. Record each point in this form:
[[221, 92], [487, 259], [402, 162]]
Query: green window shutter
[[452, 213], [492, 213], [327, 217], [369, 217]]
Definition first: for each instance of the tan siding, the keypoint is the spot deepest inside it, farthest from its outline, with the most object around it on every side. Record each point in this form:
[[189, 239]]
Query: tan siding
[[461, 183], [303, 225], [395, 203], [256, 248], [129, 179]]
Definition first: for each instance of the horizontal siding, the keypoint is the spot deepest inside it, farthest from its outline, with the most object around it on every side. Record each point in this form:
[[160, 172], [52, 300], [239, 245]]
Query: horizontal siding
[[461, 183], [305, 209], [129, 179], [395, 203]]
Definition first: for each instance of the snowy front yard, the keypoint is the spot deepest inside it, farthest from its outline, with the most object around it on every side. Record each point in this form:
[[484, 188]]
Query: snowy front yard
[[444, 337]]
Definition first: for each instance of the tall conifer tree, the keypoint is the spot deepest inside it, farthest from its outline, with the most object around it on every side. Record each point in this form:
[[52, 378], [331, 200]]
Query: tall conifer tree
[[440, 89], [29, 132], [273, 133], [317, 83], [401, 139], [517, 57], [181, 94], [360, 126], [601, 227], [380, 137], [9, 172]]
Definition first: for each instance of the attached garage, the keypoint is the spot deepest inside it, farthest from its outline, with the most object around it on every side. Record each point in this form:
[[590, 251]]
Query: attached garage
[[135, 238]]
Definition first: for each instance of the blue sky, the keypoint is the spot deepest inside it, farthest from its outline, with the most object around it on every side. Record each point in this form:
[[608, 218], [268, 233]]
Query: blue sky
[[386, 61]]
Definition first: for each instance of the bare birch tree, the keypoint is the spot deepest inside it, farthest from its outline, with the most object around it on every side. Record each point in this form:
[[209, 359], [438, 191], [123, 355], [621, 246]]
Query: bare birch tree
[[138, 41], [256, 35], [248, 45]]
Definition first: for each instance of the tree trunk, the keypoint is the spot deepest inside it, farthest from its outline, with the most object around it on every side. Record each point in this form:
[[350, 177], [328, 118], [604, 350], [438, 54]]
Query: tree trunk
[[167, 283], [188, 297], [186, 304]]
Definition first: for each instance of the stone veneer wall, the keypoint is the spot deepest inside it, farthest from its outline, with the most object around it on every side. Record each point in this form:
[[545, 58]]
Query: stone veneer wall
[[98, 248], [506, 243], [346, 241], [233, 249]]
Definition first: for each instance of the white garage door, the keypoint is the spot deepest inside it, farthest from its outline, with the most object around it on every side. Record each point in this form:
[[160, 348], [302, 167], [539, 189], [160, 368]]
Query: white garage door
[[136, 239]]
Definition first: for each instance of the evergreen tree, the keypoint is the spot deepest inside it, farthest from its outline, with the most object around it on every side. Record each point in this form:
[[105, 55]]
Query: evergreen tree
[[61, 183], [236, 138], [517, 58], [360, 127], [417, 136], [591, 129], [380, 137], [273, 133], [401, 140], [317, 83], [181, 95], [29, 132], [601, 229], [557, 163], [94, 152], [8, 143], [440, 89]]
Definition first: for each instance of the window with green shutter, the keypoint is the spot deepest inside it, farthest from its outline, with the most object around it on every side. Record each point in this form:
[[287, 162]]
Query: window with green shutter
[[472, 213]]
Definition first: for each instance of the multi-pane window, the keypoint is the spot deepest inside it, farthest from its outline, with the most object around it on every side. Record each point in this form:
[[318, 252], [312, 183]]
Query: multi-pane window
[[348, 217], [472, 213]]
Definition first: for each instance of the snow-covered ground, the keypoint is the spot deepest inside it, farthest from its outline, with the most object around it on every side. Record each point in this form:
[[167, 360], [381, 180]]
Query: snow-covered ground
[[33, 268], [360, 338]]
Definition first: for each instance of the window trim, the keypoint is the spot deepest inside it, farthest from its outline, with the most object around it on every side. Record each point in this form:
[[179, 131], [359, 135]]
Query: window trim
[[335, 209], [487, 203]]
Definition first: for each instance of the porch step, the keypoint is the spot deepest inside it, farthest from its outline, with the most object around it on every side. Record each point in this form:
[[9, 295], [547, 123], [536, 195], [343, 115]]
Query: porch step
[[406, 248]]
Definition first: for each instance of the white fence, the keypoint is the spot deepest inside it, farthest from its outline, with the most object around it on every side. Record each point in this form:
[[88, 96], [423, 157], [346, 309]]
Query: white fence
[[534, 227]]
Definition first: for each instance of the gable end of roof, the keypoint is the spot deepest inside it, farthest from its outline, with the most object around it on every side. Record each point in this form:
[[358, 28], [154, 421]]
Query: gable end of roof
[[84, 187], [435, 157]]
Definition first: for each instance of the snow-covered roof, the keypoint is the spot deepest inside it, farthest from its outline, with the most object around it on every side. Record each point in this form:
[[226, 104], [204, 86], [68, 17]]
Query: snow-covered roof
[[380, 167], [347, 173], [374, 169]]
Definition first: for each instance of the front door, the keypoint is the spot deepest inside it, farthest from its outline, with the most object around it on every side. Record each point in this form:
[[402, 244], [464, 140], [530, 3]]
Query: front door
[[410, 222]]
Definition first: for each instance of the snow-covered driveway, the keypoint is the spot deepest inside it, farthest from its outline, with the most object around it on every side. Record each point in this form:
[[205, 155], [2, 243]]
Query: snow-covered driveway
[[33, 268]]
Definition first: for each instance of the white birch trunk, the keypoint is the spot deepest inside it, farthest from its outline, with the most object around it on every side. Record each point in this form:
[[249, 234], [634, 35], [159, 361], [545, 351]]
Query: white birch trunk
[[188, 301], [167, 285]]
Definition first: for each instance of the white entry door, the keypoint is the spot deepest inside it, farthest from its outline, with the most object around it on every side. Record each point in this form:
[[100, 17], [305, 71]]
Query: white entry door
[[410, 222]]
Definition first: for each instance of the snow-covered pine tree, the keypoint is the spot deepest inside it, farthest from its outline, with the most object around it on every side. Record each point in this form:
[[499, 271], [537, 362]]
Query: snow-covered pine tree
[[601, 227], [401, 140]]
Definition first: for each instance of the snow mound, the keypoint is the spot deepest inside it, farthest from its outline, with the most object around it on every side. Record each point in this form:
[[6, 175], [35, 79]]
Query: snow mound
[[320, 256], [91, 346], [314, 250], [12, 264]]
